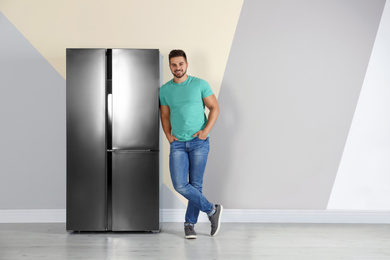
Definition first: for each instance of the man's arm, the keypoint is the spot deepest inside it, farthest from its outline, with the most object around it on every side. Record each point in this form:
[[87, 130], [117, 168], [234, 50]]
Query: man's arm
[[212, 104], [166, 123]]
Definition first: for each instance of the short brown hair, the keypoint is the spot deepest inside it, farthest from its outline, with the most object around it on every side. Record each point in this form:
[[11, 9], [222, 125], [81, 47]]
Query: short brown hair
[[177, 53]]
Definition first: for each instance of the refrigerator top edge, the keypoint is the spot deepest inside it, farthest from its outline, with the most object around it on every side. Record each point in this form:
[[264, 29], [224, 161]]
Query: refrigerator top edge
[[151, 49], [86, 48]]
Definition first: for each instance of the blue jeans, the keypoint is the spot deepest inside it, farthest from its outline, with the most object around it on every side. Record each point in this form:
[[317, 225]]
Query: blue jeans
[[187, 162]]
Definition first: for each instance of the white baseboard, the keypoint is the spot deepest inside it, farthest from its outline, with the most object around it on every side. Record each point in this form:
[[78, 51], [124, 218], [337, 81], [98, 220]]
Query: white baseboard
[[229, 215], [288, 216], [33, 216]]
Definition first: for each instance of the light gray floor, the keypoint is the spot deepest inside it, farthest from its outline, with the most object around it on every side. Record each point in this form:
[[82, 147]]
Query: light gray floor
[[235, 241]]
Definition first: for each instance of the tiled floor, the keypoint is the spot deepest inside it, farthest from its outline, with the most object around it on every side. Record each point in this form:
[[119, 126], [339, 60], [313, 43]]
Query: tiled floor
[[235, 241]]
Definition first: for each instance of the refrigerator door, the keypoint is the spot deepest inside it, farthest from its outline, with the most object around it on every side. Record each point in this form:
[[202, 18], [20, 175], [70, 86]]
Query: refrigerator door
[[135, 191], [135, 86], [86, 133]]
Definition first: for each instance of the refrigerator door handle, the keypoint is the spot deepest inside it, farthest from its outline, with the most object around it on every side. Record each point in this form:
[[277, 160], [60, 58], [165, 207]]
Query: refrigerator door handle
[[109, 121], [109, 108]]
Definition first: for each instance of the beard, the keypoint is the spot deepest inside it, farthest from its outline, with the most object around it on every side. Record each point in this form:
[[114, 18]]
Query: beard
[[178, 74]]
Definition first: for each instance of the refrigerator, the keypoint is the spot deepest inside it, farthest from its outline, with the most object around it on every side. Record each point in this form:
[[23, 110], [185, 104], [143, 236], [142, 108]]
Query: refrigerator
[[113, 136]]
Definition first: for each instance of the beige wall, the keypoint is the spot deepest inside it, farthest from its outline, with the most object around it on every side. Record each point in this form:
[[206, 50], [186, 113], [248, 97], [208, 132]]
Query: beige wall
[[204, 29]]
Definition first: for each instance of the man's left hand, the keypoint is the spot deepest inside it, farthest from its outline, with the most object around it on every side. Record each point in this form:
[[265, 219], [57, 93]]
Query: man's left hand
[[201, 135]]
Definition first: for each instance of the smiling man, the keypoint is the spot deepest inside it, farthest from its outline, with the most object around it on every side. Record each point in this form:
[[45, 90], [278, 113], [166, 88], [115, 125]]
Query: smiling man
[[182, 103]]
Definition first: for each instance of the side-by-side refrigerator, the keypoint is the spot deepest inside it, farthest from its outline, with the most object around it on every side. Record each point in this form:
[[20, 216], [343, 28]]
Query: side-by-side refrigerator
[[113, 140]]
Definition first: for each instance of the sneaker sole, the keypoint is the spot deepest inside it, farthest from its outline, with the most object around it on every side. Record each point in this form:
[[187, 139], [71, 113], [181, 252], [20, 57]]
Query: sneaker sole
[[219, 221], [191, 237]]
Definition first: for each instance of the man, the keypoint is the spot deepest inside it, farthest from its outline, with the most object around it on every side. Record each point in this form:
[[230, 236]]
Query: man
[[182, 103]]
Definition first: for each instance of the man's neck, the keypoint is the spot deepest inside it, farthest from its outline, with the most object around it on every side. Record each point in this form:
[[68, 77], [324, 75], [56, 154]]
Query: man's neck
[[180, 80]]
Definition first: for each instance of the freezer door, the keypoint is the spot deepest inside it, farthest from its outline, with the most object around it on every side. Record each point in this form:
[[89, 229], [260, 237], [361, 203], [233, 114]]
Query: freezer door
[[135, 191], [86, 151], [135, 86]]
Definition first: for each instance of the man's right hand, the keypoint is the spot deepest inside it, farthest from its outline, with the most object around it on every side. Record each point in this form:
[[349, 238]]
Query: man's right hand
[[171, 138]]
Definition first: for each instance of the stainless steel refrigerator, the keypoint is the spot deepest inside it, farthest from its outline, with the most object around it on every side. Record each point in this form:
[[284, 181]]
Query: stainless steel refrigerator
[[113, 140]]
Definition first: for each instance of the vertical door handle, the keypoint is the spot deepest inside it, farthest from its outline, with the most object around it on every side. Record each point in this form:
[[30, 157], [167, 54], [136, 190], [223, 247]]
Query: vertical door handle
[[109, 109]]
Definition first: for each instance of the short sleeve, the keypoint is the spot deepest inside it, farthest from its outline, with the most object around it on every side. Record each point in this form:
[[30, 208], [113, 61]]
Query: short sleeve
[[206, 89], [163, 102]]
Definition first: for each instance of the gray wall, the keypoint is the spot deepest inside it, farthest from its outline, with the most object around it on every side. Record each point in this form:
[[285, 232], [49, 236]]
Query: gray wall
[[32, 137], [287, 100], [288, 97]]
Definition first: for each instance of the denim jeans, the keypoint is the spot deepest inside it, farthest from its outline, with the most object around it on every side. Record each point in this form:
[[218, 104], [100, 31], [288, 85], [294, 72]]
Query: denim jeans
[[187, 162]]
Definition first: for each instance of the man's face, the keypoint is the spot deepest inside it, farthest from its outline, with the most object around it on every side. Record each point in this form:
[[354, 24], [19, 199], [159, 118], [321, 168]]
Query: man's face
[[178, 66]]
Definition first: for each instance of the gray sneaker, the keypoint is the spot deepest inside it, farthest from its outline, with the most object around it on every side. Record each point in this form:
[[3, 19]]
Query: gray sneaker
[[189, 230], [216, 219]]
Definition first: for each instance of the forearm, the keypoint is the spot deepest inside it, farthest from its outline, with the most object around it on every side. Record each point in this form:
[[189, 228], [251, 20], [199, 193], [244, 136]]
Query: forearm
[[213, 115], [166, 125]]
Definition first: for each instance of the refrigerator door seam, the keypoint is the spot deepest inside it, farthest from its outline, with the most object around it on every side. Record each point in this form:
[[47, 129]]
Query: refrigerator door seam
[[131, 151]]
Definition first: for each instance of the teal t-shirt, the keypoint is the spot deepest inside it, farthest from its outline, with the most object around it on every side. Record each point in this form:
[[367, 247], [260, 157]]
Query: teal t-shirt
[[185, 101]]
